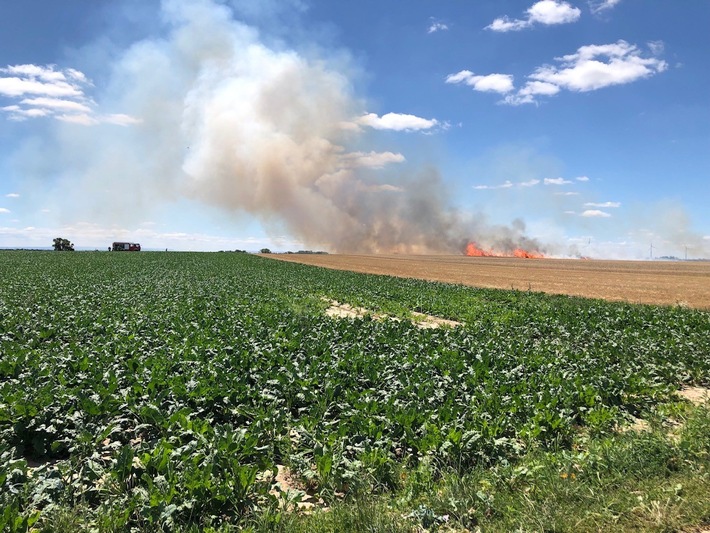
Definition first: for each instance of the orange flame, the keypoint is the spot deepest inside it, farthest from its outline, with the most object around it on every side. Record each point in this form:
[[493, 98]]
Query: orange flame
[[473, 250], [526, 254]]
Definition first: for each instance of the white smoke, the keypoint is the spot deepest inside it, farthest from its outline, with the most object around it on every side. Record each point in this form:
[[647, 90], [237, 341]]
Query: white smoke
[[226, 119]]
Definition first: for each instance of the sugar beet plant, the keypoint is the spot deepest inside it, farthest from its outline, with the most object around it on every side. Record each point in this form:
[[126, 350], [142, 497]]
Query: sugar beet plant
[[162, 390]]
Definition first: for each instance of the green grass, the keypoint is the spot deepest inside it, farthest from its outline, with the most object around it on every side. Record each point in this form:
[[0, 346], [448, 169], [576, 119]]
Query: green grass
[[155, 392]]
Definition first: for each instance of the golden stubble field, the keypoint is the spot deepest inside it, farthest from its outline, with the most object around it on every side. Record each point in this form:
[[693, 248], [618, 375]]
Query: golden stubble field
[[650, 282]]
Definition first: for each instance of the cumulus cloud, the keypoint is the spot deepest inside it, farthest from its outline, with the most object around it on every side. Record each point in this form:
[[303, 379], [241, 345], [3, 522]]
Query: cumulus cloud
[[603, 204], [531, 90], [557, 181], [553, 12], [498, 83], [45, 91], [595, 213], [591, 68], [4, 210], [546, 12], [596, 66], [567, 193], [12, 195], [396, 122], [582, 178]]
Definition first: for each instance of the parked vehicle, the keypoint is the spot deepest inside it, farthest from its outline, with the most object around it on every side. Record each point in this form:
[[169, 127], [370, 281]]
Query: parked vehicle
[[126, 247]]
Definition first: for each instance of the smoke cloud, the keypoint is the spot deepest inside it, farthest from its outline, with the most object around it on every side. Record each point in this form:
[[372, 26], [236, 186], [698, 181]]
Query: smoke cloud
[[249, 127]]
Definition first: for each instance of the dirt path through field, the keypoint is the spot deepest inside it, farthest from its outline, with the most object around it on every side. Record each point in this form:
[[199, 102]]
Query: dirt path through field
[[651, 282]]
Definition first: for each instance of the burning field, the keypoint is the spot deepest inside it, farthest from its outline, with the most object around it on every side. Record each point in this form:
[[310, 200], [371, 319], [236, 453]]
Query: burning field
[[648, 282], [473, 250]]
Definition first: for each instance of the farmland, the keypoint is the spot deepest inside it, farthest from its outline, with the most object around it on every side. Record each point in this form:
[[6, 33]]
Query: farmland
[[164, 391], [648, 282]]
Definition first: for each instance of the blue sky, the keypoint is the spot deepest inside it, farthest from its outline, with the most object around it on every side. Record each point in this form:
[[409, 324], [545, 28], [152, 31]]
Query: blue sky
[[580, 128]]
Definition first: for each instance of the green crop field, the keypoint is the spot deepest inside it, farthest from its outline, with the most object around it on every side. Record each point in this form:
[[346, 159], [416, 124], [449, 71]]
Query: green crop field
[[159, 391]]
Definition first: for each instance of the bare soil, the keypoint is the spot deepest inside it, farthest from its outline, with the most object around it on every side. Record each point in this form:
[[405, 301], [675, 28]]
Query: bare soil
[[421, 320], [696, 395], [647, 282]]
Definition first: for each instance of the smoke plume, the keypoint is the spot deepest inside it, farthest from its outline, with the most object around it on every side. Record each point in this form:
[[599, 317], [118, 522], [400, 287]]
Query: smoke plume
[[250, 127]]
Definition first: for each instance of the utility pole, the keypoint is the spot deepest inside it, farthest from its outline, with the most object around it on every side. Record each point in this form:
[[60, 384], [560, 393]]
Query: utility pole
[[651, 251]]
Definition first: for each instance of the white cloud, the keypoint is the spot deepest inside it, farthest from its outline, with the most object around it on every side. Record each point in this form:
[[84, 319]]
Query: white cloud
[[591, 68], [396, 122], [18, 114], [529, 183], [12, 195], [119, 119], [556, 181], [599, 6], [553, 12], [506, 185], [370, 159], [595, 213], [46, 73], [504, 24], [44, 91], [547, 12], [82, 118], [437, 25], [498, 83], [56, 103], [603, 204], [14, 87], [582, 178], [527, 94], [587, 69], [534, 88], [567, 193], [4, 210]]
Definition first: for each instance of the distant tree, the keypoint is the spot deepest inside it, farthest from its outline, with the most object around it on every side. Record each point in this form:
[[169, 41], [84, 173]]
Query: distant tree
[[264, 251], [63, 245]]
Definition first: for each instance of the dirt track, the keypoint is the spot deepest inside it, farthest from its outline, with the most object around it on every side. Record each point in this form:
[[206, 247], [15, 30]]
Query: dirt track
[[653, 282]]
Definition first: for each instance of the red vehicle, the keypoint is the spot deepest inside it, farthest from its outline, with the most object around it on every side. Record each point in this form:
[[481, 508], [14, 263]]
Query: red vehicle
[[126, 247]]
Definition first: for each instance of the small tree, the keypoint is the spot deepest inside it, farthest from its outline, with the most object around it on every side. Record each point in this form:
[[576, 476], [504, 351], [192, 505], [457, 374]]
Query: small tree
[[264, 251], [63, 245]]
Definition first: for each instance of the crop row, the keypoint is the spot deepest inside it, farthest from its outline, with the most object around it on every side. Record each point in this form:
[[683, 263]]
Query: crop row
[[161, 388]]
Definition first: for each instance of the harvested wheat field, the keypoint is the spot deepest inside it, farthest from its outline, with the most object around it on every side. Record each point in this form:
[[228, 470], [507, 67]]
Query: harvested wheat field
[[649, 282]]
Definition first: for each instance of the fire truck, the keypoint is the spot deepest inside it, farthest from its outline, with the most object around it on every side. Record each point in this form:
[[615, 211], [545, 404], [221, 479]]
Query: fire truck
[[126, 247]]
